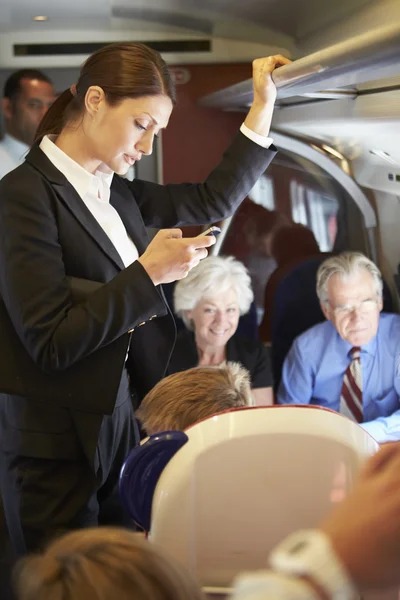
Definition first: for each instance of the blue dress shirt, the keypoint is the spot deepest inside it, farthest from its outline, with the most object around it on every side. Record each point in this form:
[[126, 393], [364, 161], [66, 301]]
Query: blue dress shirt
[[314, 368]]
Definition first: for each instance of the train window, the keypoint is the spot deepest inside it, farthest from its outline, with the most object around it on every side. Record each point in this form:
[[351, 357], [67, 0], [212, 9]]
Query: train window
[[316, 210], [263, 193], [294, 189]]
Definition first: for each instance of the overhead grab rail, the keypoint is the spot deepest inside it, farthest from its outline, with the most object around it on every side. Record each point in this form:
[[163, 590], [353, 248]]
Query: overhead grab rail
[[356, 60]]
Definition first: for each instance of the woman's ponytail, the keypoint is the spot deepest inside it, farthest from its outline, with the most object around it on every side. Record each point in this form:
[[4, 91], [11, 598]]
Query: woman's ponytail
[[55, 118]]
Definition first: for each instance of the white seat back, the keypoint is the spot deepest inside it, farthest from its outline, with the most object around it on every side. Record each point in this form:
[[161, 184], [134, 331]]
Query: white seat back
[[246, 479]]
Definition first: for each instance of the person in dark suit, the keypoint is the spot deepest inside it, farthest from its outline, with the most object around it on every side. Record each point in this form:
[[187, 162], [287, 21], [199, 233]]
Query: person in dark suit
[[210, 301], [85, 327], [291, 245]]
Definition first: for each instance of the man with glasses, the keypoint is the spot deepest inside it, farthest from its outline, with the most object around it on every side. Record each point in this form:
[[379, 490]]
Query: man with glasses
[[351, 362], [28, 94]]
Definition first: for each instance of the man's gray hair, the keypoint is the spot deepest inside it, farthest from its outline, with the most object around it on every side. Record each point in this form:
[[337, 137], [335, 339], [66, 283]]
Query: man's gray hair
[[345, 265], [213, 276]]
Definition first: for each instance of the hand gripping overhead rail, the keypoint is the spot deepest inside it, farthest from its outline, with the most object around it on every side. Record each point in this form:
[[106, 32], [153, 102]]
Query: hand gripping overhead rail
[[356, 60]]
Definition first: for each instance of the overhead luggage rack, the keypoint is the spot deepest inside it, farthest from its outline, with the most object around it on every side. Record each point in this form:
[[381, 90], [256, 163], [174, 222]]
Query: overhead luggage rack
[[325, 73]]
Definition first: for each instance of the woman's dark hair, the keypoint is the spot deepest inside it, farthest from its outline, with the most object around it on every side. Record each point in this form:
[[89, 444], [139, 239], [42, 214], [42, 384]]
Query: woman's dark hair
[[12, 86], [126, 70]]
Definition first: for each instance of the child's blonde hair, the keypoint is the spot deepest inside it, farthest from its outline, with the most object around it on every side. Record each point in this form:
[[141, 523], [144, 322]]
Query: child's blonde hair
[[182, 399]]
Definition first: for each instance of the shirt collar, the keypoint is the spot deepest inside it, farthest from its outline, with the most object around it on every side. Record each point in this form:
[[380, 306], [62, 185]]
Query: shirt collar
[[83, 181], [17, 148], [370, 348]]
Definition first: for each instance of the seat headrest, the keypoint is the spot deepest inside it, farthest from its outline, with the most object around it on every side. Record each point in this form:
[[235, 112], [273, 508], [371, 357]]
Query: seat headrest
[[141, 471]]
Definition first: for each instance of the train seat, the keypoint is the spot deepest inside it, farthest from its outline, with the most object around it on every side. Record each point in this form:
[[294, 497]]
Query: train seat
[[219, 496]]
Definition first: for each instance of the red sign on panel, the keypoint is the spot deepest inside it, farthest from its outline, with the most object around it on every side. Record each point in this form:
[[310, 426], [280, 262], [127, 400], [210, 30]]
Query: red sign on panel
[[180, 75]]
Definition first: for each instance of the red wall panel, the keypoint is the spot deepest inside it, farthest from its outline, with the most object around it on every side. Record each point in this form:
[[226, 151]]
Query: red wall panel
[[196, 137]]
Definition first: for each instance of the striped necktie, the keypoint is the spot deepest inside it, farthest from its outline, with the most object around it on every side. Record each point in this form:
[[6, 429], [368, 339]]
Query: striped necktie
[[351, 396]]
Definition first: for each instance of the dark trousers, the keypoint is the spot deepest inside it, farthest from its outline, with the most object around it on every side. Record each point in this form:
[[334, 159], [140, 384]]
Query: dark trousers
[[45, 497]]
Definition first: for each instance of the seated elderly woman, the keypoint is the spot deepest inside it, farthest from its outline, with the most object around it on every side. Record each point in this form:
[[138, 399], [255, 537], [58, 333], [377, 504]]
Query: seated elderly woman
[[210, 301]]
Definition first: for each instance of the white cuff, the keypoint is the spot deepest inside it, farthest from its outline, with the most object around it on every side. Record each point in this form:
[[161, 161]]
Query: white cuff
[[310, 553], [261, 585], [261, 140]]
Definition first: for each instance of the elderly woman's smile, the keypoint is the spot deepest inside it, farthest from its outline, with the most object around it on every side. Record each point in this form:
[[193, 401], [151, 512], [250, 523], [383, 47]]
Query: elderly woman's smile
[[215, 319]]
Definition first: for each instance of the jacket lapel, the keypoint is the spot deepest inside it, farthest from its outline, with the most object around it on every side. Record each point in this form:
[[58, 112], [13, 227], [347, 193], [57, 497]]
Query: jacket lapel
[[124, 203], [186, 350], [71, 199], [74, 202]]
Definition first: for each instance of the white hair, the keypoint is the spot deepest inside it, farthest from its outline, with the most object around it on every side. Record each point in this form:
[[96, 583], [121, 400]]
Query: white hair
[[346, 264], [212, 276]]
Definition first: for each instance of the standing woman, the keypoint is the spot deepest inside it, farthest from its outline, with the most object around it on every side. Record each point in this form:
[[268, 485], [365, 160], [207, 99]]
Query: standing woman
[[72, 361]]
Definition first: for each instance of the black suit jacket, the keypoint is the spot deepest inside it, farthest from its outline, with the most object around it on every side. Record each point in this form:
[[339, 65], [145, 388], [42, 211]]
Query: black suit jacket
[[47, 235]]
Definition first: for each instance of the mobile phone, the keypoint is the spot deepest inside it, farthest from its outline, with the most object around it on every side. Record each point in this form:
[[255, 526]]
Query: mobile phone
[[212, 231]]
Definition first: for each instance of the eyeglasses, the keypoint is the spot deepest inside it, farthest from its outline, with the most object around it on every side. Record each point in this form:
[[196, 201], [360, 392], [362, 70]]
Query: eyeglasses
[[364, 307]]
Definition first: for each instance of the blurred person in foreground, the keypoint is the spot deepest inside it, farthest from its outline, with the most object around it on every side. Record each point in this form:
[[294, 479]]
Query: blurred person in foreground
[[355, 550], [105, 563]]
